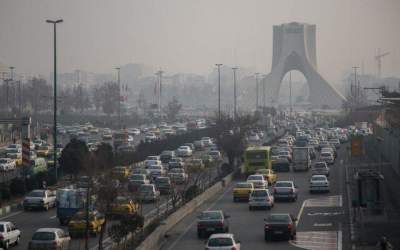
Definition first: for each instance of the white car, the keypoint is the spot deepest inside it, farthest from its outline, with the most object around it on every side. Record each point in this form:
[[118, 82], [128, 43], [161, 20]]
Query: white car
[[153, 157], [258, 181], [261, 198], [184, 151], [319, 183], [320, 168], [215, 154], [253, 138], [222, 242], [178, 175], [148, 192], [327, 157], [148, 163], [7, 164], [50, 238], [9, 234], [156, 171], [206, 141]]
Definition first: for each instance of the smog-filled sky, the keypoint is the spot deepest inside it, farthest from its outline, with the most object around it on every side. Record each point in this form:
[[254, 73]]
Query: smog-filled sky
[[192, 35]]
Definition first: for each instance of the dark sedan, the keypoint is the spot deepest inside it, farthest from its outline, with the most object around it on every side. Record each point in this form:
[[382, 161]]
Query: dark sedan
[[210, 222], [280, 226]]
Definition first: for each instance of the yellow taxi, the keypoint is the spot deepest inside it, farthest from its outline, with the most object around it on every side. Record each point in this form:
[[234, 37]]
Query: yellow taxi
[[77, 224], [43, 151], [123, 206], [120, 172], [269, 175], [242, 190]]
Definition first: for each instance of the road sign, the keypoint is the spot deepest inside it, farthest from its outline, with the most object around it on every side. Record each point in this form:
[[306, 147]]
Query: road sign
[[356, 146]]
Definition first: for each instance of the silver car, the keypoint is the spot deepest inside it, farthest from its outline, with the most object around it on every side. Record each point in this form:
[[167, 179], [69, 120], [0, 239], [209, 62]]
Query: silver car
[[50, 238], [261, 198], [320, 168]]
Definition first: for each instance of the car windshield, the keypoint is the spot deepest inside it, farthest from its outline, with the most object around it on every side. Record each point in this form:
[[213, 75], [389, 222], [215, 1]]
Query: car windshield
[[255, 178], [36, 194], [43, 236], [1, 227], [162, 180], [326, 154], [318, 178], [283, 184], [177, 170], [278, 218], [210, 215], [146, 188], [137, 177], [220, 242], [259, 193], [319, 165], [12, 150], [243, 185], [43, 148], [3, 161]]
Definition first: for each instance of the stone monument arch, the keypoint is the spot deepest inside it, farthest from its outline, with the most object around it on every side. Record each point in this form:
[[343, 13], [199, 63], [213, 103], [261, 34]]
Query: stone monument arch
[[294, 48]]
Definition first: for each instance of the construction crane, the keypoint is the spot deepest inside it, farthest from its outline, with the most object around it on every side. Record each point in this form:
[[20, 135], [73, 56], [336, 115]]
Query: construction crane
[[378, 59]]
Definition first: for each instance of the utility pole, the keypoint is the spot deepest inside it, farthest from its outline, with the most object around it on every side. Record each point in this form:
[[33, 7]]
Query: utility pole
[[219, 89], [263, 90], [234, 93], [159, 74], [55, 96], [119, 95], [356, 86], [256, 74], [290, 95]]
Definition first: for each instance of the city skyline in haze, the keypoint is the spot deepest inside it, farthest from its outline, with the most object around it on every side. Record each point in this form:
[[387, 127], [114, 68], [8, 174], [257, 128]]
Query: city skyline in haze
[[190, 36]]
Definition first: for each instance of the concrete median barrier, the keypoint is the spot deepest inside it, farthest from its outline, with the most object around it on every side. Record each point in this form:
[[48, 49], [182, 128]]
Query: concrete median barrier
[[155, 239]]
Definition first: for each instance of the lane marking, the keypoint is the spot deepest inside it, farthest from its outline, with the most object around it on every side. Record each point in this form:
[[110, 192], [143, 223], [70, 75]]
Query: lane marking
[[325, 214], [11, 215], [322, 224], [53, 217], [340, 239], [300, 212], [191, 224]]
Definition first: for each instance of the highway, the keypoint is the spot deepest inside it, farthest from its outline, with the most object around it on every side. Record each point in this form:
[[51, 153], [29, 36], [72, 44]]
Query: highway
[[29, 221], [322, 217]]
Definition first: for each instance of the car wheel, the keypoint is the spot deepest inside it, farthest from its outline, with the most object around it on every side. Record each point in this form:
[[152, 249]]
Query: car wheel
[[226, 230], [6, 245], [46, 207], [234, 199], [199, 234], [266, 237], [250, 208], [17, 241]]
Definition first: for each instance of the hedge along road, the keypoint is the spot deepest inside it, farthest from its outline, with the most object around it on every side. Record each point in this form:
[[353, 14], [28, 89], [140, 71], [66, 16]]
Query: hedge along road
[[29, 221]]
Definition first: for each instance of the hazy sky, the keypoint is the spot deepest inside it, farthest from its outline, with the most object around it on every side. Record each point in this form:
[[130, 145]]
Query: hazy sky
[[192, 35]]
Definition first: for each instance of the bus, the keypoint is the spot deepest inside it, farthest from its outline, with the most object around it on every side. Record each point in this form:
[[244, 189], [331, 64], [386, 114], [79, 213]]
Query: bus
[[257, 158]]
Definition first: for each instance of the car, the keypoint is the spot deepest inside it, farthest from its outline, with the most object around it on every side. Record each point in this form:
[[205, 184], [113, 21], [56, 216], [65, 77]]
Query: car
[[280, 225], [156, 171], [163, 184], [258, 181], [9, 234], [40, 198], [285, 154], [184, 151], [269, 175], [215, 154], [319, 183], [281, 165], [143, 171], [221, 242], [150, 137], [196, 164], [123, 206], [148, 163], [206, 141], [242, 190], [261, 198], [153, 158], [42, 151], [327, 157], [253, 137], [191, 145], [50, 238], [166, 156], [330, 149], [148, 193], [136, 180], [320, 168], [120, 172], [77, 224], [199, 145], [335, 143], [178, 175], [7, 164], [212, 221], [285, 190]]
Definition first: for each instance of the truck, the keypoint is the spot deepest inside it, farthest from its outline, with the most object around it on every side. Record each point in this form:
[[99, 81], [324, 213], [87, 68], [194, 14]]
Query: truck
[[301, 159], [70, 200]]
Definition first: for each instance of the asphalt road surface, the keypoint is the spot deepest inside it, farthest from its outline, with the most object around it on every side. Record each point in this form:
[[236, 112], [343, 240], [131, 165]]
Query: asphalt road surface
[[322, 218]]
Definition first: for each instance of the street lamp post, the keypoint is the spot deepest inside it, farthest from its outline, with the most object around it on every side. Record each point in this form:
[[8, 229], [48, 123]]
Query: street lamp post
[[119, 95], [234, 93], [219, 89], [55, 95], [263, 90], [256, 74]]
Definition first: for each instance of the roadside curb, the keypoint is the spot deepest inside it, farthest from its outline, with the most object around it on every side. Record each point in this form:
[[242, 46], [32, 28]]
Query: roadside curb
[[4, 211]]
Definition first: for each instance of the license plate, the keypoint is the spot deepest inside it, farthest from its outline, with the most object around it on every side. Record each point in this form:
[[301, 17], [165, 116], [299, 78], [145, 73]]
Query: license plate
[[278, 232]]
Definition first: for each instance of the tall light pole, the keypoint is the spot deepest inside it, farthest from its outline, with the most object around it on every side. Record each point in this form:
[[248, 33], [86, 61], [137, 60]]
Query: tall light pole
[[55, 95], [263, 90], [219, 89], [159, 74], [256, 74], [234, 93], [356, 87], [290, 95], [119, 95]]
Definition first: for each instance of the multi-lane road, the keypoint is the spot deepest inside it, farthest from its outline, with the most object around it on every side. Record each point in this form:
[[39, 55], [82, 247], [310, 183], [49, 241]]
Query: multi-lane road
[[322, 218]]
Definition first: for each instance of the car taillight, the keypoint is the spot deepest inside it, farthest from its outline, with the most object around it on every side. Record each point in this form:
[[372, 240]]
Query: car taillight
[[290, 226], [233, 248], [266, 226], [1, 237], [206, 248], [220, 224], [291, 190]]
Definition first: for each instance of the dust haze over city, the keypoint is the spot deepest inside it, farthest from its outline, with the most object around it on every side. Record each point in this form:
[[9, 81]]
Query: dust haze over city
[[165, 124]]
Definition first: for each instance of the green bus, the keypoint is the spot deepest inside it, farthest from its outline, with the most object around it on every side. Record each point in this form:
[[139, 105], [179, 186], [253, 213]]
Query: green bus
[[257, 158]]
